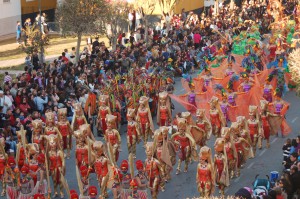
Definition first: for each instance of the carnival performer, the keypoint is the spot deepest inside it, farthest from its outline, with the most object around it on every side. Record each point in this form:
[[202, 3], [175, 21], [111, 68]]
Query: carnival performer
[[116, 185], [12, 179], [133, 132], [104, 109], [112, 136], [100, 166], [65, 129], [266, 116], [207, 79], [216, 116], [244, 129], [254, 125], [154, 172], [242, 147], [205, 177], [230, 150], [3, 163], [247, 83], [268, 90], [134, 194], [81, 150], [280, 109], [41, 184], [37, 136], [21, 148], [26, 184], [203, 123], [191, 96], [184, 143], [78, 117], [164, 114], [87, 131], [141, 179], [50, 128], [221, 165], [229, 71], [84, 181], [225, 106], [144, 118], [56, 164], [33, 151], [125, 183]]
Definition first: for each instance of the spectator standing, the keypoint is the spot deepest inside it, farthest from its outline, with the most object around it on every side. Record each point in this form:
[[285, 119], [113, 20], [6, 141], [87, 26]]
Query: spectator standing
[[7, 78], [286, 149], [5, 102], [183, 15], [197, 39], [130, 20], [39, 101], [18, 32]]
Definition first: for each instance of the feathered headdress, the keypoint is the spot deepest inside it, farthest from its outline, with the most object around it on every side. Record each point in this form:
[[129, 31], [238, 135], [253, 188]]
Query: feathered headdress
[[233, 78], [220, 88]]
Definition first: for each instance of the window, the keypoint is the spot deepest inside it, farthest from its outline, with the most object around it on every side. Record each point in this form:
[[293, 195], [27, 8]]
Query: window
[[6, 1]]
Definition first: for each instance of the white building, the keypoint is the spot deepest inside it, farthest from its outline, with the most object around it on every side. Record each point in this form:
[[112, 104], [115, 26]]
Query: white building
[[10, 13]]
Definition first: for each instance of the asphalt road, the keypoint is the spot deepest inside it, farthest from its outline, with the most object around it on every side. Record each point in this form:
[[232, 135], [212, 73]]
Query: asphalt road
[[184, 185]]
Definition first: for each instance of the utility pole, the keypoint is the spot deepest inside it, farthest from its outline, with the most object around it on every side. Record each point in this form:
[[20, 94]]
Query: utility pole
[[41, 33]]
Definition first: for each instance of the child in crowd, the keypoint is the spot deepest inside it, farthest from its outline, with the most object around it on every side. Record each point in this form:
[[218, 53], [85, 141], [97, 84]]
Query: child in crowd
[[286, 149]]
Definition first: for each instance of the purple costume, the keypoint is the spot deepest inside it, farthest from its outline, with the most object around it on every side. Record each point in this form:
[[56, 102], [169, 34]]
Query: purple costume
[[192, 99], [267, 94], [246, 87], [231, 100], [228, 73], [224, 108], [278, 108]]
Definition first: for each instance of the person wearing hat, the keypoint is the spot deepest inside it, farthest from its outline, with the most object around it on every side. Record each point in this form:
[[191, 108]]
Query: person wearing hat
[[73, 194], [11, 173], [141, 179], [255, 129], [125, 182], [26, 183], [133, 132], [247, 84]]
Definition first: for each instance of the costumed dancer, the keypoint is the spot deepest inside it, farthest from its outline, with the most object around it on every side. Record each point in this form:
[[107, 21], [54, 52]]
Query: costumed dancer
[[141, 179], [203, 123], [154, 172], [244, 129], [56, 163], [264, 116], [81, 150], [37, 136], [133, 132], [229, 71], [112, 136], [205, 177], [42, 175], [21, 147], [192, 95], [125, 182], [164, 114], [100, 166], [247, 84], [3, 163], [104, 109], [230, 150], [33, 151], [26, 184], [254, 125], [12, 179], [134, 194], [221, 165], [65, 129], [242, 147], [184, 143], [78, 117], [216, 116], [50, 128], [116, 185], [280, 109], [82, 174], [268, 90], [144, 118]]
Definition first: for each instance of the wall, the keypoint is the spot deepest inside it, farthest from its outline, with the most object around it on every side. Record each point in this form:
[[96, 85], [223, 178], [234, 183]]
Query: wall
[[32, 6], [10, 13], [188, 5]]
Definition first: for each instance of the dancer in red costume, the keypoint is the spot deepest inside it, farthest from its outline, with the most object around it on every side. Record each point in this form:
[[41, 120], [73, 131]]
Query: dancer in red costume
[[221, 165], [205, 177], [217, 119], [164, 114], [65, 129]]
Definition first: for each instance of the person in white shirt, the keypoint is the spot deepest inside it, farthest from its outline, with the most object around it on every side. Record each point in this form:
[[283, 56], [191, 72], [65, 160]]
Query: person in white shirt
[[5, 102], [130, 20], [138, 17]]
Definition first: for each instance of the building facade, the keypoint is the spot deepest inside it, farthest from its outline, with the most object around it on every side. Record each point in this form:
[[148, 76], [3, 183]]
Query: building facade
[[10, 13]]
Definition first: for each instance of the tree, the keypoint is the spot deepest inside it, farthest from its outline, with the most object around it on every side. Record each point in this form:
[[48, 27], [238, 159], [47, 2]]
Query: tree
[[116, 20], [294, 66], [34, 39], [147, 7], [167, 6], [81, 17]]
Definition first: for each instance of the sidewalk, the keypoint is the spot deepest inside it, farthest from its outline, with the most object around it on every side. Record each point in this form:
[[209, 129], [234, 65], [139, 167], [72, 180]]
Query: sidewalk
[[15, 62]]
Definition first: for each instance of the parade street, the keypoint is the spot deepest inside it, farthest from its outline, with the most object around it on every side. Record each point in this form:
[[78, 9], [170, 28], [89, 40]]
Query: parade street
[[184, 185]]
